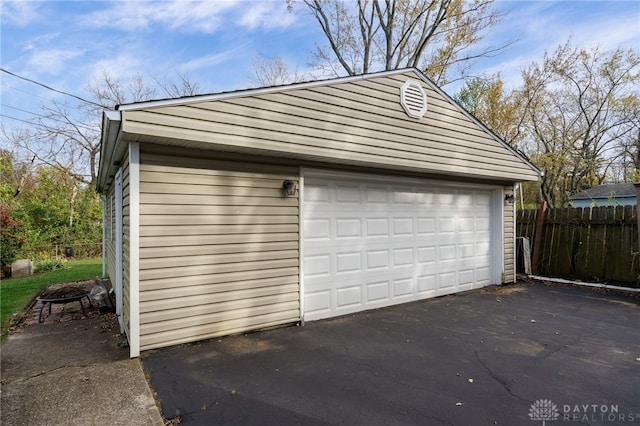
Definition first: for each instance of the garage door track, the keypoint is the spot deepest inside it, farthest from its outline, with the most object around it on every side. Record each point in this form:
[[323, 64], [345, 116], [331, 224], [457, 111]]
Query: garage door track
[[522, 354]]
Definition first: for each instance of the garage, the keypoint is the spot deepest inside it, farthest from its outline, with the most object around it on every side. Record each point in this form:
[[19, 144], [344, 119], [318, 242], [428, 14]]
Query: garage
[[370, 242], [274, 206]]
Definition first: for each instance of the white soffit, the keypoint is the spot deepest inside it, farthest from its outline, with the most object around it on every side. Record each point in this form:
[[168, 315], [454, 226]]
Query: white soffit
[[413, 99]]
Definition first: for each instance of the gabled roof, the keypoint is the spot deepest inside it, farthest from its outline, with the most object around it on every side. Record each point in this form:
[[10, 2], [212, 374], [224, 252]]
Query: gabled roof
[[215, 121], [613, 190]]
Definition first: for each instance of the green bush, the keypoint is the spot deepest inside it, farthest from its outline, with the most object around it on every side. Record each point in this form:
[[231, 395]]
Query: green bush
[[48, 265], [12, 236]]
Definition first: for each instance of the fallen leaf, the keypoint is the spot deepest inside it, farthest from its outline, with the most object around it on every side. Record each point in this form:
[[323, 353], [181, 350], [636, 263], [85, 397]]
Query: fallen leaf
[[458, 404], [470, 380], [533, 321]]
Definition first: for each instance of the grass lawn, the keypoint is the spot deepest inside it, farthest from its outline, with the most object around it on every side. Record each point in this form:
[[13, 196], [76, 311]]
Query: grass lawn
[[16, 293]]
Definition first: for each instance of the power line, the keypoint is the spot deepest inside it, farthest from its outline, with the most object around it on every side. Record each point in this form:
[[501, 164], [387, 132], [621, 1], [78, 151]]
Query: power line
[[46, 117], [50, 88], [26, 93], [22, 110], [17, 119], [33, 113]]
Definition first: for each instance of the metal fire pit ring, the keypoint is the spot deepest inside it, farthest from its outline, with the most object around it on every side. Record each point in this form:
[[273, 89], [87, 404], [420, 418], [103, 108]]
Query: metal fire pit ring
[[62, 300]]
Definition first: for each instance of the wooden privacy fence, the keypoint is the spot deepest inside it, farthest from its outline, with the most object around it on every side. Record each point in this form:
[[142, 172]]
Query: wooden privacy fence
[[598, 244]]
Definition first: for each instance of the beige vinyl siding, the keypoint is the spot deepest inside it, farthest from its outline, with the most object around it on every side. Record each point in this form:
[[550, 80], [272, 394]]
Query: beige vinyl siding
[[357, 123], [509, 237], [110, 239], [218, 247], [126, 246]]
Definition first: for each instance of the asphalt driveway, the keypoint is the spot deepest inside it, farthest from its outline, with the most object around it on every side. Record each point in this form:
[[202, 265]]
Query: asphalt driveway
[[513, 355]]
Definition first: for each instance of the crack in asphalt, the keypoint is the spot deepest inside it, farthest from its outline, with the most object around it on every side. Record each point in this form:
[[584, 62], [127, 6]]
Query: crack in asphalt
[[442, 421], [497, 378], [549, 351]]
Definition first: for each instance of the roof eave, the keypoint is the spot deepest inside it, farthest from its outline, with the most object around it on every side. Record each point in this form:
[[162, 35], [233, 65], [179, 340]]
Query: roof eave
[[257, 91], [518, 155], [111, 121]]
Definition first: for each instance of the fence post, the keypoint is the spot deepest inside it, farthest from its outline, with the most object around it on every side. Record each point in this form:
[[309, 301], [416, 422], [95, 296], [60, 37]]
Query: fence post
[[537, 238]]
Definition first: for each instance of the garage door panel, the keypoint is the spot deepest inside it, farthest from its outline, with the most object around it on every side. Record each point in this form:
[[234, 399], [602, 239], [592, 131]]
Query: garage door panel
[[403, 257], [349, 297], [377, 260], [402, 287], [426, 285], [347, 194], [427, 254], [348, 262], [447, 280], [376, 195], [426, 226], [319, 265], [483, 276], [317, 229], [317, 303], [377, 227], [368, 246], [316, 193], [377, 291]]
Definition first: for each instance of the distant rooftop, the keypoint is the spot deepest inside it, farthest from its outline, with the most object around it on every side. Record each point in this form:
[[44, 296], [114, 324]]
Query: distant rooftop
[[606, 191]]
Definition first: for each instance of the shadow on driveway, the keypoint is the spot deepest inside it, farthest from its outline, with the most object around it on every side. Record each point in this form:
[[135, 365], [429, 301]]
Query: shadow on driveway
[[484, 357]]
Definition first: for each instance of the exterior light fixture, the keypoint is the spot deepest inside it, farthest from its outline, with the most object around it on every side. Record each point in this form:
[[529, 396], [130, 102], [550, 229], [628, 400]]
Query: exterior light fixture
[[288, 188], [509, 198]]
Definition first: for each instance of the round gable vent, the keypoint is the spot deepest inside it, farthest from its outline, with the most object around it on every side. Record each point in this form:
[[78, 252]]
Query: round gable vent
[[413, 99]]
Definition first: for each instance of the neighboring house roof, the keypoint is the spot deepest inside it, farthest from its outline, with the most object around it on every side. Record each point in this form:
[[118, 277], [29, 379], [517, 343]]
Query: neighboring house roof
[[307, 121], [614, 190]]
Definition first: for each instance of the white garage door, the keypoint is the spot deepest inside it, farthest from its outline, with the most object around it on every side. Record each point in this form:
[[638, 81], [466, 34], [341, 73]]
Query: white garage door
[[368, 245]]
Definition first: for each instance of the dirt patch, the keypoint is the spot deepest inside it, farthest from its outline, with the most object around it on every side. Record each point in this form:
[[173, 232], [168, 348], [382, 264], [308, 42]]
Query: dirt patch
[[245, 345], [63, 312], [507, 289]]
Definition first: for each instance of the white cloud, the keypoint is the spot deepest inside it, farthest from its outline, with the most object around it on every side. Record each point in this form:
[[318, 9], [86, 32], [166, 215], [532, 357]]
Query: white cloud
[[611, 33], [192, 16], [19, 13], [121, 67], [202, 16], [36, 42], [53, 61], [208, 61], [539, 26], [266, 15]]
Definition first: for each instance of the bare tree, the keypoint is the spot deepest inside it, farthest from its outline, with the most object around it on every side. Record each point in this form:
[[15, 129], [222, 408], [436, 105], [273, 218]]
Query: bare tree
[[109, 92], [183, 86], [67, 136], [579, 107], [58, 139], [274, 72], [433, 35]]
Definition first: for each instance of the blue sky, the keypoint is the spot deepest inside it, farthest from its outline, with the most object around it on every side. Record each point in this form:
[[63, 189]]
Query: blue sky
[[68, 44]]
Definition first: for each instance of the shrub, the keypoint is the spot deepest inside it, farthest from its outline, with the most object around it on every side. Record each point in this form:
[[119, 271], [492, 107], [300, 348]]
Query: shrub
[[12, 236], [48, 265]]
